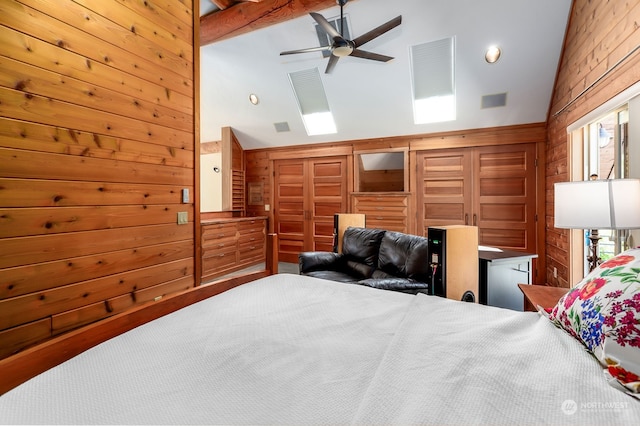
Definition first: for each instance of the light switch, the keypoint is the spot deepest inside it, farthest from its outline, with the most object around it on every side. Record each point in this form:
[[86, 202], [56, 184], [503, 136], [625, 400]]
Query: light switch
[[183, 218], [185, 195]]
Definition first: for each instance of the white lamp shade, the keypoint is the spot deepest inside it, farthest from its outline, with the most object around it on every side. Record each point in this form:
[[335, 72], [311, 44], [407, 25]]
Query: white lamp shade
[[598, 204]]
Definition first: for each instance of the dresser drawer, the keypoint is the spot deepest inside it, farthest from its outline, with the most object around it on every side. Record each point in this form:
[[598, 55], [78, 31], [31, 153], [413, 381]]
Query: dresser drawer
[[398, 225], [218, 231], [396, 211], [250, 226], [252, 238], [218, 262], [248, 252], [218, 243], [381, 200]]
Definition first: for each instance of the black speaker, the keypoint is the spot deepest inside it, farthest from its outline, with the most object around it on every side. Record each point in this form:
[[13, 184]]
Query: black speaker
[[453, 257], [340, 222], [468, 296]]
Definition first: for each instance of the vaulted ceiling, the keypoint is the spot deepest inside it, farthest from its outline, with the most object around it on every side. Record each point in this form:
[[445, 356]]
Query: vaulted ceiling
[[240, 55]]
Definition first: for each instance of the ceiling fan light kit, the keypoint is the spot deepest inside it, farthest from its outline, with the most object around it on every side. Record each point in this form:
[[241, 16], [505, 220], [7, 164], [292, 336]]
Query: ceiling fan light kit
[[341, 47], [493, 54]]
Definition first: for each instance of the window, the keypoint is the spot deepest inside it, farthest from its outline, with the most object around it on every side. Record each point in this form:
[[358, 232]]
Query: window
[[607, 151], [605, 155], [381, 170], [613, 152]]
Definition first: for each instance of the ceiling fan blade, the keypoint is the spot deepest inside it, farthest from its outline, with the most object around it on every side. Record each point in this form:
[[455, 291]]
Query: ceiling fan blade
[[310, 49], [370, 55], [333, 60], [367, 37], [325, 25]]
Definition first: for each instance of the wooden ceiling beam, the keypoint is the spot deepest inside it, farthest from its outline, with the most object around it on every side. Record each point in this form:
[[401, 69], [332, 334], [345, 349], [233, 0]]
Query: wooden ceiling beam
[[225, 4], [248, 16]]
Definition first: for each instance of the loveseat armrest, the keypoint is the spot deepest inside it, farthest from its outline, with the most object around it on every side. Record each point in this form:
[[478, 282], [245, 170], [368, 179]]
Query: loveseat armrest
[[309, 261]]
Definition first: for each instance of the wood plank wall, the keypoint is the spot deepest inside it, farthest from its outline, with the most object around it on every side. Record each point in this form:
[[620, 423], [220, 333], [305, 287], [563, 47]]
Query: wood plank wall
[[97, 141], [600, 34], [258, 162]]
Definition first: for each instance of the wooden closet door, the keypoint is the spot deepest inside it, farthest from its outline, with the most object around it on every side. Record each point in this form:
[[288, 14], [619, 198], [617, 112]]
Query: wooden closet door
[[327, 196], [444, 188], [307, 194], [493, 188], [505, 196], [289, 207]]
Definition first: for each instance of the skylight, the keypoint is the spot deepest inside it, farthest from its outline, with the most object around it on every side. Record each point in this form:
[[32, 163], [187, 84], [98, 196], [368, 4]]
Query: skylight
[[434, 98], [312, 102], [434, 109], [319, 123]]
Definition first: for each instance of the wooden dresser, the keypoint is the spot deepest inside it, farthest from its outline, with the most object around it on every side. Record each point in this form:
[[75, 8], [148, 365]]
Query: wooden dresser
[[232, 244], [388, 211]]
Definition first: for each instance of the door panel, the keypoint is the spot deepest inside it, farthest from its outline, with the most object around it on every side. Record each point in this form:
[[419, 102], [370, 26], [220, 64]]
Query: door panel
[[329, 189], [328, 196], [289, 208], [505, 204], [445, 178]]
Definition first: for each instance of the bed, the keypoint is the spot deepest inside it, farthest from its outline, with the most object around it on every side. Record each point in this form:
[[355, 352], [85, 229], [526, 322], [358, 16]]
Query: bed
[[291, 349]]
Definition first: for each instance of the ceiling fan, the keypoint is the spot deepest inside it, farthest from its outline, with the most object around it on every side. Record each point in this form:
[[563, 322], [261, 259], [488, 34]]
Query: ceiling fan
[[341, 46]]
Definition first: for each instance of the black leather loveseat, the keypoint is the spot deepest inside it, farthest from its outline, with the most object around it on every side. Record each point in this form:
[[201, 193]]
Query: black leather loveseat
[[375, 258]]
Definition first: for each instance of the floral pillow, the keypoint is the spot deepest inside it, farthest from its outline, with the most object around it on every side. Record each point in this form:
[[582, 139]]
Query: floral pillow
[[603, 312]]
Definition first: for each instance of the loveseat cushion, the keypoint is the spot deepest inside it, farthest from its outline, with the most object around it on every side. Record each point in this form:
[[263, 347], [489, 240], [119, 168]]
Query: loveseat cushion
[[357, 269], [404, 255], [361, 244]]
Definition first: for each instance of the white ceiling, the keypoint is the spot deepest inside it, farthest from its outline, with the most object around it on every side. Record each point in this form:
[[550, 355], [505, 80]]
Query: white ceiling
[[206, 6], [371, 99]]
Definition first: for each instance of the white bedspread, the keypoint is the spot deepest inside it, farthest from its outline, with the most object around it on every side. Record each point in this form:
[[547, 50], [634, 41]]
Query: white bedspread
[[289, 349]]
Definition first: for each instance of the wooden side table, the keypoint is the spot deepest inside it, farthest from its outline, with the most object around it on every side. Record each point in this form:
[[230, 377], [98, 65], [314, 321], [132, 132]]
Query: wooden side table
[[541, 295]]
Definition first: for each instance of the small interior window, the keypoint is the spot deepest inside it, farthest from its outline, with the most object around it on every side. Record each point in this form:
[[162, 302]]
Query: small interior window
[[381, 171]]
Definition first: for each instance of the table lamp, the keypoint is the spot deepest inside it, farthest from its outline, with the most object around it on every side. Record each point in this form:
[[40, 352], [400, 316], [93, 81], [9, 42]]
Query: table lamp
[[597, 204]]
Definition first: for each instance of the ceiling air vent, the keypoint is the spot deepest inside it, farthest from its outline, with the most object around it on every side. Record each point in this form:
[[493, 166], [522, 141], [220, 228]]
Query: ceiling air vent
[[325, 39], [283, 126], [493, 101]]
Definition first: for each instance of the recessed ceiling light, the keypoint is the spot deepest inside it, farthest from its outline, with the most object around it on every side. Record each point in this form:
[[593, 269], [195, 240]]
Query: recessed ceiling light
[[492, 55], [253, 98]]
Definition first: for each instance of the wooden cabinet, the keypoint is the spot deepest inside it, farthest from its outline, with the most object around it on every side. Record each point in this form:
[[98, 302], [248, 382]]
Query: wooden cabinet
[[492, 187], [251, 241], [307, 194], [388, 211], [229, 245]]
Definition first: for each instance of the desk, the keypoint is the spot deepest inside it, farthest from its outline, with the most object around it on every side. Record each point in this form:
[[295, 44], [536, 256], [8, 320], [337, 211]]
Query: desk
[[541, 295]]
